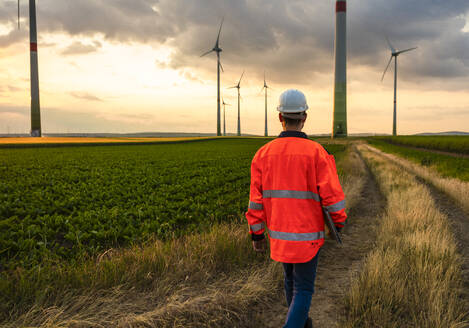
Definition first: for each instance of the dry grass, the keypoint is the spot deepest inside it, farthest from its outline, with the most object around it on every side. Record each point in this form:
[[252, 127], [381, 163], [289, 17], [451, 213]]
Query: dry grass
[[413, 277], [456, 189], [225, 302], [213, 279], [352, 180], [159, 276], [60, 140]]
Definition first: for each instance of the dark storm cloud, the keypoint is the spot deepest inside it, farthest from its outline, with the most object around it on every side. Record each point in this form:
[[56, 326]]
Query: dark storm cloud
[[293, 39]]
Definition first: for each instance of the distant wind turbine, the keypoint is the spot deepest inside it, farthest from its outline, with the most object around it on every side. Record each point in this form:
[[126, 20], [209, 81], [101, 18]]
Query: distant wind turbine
[[394, 53], [217, 49], [264, 88], [34, 71], [238, 86], [224, 121]]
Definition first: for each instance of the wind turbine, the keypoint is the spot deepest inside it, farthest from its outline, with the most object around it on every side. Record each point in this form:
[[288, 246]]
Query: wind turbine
[[394, 53], [35, 107], [217, 49], [339, 118], [264, 88], [238, 86], [224, 121]]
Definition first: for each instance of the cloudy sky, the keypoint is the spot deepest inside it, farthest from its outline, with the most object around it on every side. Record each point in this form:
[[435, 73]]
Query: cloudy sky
[[135, 65]]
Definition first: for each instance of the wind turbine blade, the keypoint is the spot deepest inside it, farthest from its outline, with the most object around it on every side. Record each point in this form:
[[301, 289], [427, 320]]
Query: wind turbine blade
[[261, 91], [233, 87], [406, 50], [206, 53], [219, 31], [18, 14], [240, 78], [387, 66], [221, 66], [390, 45]]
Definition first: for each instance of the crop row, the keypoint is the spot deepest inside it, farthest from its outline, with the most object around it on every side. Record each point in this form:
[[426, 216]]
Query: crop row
[[73, 202]]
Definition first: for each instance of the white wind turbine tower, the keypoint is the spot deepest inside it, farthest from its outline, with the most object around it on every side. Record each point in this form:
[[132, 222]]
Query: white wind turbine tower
[[224, 121], [217, 49], [238, 86], [264, 88], [394, 53], [34, 71]]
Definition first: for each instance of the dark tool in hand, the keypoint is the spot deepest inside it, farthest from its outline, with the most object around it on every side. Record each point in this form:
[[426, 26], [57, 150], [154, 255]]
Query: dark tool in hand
[[330, 224]]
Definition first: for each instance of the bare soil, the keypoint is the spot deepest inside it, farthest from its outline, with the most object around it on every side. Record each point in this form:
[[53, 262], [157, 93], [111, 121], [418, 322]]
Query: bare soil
[[337, 264]]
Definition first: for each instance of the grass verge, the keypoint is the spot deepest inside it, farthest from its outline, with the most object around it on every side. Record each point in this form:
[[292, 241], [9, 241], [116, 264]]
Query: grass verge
[[413, 276]]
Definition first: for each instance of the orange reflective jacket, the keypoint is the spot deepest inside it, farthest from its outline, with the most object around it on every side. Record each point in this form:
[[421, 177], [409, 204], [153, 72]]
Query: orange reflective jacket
[[291, 177]]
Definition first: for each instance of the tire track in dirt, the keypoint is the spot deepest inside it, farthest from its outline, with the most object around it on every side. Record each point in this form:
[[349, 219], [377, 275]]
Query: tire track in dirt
[[337, 264]]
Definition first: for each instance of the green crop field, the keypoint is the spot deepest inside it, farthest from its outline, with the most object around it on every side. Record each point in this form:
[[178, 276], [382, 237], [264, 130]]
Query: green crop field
[[446, 165], [454, 144], [68, 203], [132, 235]]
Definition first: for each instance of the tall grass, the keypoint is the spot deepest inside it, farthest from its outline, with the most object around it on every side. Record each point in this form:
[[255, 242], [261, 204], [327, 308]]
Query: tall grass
[[351, 175], [156, 266], [413, 276]]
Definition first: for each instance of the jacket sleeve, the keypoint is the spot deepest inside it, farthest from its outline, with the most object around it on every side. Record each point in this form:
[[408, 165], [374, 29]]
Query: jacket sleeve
[[330, 190], [256, 214]]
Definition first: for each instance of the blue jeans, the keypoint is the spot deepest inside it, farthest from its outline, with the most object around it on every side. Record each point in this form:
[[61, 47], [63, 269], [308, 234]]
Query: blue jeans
[[299, 289]]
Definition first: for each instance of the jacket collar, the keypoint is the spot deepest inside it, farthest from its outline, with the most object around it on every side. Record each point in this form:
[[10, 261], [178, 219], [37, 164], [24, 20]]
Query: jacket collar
[[297, 134]]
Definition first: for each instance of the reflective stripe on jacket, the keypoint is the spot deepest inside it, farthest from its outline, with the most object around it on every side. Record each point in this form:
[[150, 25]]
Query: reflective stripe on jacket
[[290, 177]]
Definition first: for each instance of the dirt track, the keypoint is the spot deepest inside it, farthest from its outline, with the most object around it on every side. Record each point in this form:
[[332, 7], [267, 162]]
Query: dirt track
[[337, 264]]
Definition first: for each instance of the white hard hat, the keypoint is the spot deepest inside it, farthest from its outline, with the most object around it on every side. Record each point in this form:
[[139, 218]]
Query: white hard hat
[[292, 101]]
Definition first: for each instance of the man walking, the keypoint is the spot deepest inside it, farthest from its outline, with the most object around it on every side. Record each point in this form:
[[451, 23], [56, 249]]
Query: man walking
[[292, 178]]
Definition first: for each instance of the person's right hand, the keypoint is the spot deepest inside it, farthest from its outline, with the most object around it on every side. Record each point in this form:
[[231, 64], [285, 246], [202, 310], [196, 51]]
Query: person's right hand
[[260, 246]]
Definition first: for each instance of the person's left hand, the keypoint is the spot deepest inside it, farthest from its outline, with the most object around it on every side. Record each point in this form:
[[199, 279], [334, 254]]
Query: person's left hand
[[260, 246]]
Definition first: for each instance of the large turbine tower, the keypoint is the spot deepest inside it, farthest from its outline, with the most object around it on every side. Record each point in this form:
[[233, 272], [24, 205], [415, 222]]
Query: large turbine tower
[[394, 53], [339, 124], [217, 49], [238, 86], [35, 107], [264, 88]]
